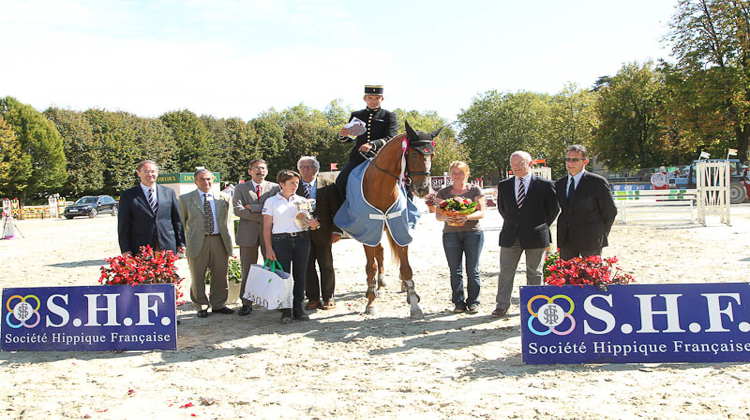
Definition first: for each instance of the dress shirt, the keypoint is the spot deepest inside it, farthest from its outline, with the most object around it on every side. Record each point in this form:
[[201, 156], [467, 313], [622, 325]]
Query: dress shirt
[[577, 179], [313, 190], [145, 192], [210, 198], [526, 182]]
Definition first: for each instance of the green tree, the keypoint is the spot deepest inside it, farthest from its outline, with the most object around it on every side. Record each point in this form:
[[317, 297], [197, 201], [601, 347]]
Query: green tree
[[497, 124], [270, 144], [82, 153], [236, 143], [117, 137], [710, 41], [194, 141], [15, 166], [630, 133], [41, 141], [573, 120]]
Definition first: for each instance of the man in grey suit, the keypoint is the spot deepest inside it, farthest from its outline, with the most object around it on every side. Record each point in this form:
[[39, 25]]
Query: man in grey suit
[[528, 206], [204, 216], [248, 206]]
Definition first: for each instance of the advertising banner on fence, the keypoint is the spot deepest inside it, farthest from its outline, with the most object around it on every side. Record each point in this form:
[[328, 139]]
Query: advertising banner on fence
[[89, 318], [707, 322]]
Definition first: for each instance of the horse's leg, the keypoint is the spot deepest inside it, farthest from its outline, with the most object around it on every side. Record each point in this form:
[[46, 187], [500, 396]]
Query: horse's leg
[[371, 269], [381, 266], [407, 281]]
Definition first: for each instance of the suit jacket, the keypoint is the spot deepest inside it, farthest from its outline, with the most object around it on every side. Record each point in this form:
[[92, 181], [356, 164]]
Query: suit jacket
[[382, 126], [250, 230], [327, 203], [137, 225], [531, 223], [585, 223], [192, 212]]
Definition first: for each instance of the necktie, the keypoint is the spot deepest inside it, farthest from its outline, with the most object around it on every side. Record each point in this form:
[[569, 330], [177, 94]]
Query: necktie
[[208, 216], [258, 192], [306, 190], [521, 193], [571, 189], [152, 201]]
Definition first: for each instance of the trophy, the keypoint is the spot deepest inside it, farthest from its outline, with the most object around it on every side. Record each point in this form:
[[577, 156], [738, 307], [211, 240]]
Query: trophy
[[304, 215]]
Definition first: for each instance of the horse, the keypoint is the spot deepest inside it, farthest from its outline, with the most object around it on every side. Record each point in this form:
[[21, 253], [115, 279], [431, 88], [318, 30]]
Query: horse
[[406, 158]]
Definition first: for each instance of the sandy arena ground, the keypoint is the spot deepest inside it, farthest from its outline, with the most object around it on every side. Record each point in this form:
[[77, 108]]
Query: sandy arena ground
[[343, 364]]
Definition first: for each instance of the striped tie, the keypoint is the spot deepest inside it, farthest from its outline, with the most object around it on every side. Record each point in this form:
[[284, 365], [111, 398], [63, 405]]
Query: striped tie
[[521, 193], [152, 201], [306, 190]]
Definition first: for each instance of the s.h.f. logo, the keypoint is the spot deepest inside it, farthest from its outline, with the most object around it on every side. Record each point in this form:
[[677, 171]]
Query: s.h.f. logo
[[20, 311], [551, 315]]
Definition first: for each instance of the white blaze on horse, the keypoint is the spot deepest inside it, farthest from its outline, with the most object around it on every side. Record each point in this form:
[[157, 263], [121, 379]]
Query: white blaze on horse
[[376, 201]]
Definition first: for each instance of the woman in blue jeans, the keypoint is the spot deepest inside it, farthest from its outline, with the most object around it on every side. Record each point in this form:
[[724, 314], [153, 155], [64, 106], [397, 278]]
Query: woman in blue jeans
[[465, 239], [286, 242]]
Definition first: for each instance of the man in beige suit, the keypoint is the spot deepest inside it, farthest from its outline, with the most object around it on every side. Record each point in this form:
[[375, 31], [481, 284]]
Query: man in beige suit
[[248, 206], [204, 216]]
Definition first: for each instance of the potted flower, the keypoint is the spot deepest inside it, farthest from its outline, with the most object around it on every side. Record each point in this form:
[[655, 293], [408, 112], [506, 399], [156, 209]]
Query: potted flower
[[431, 200], [234, 279], [456, 206], [594, 271], [148, 267]]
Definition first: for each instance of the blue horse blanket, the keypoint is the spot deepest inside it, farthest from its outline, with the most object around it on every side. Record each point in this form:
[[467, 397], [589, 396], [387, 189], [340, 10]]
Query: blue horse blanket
[[365, 223]]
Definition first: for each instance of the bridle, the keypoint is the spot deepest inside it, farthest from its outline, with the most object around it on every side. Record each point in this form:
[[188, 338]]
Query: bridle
[[405, 175]]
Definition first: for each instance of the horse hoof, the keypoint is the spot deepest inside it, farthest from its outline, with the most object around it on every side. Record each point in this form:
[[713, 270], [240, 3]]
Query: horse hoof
[[417, 314], [408, 298], [371, 310]]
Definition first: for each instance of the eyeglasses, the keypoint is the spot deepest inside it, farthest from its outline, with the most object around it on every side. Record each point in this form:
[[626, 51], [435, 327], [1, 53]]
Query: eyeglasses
[[306, 166], [574, 160]]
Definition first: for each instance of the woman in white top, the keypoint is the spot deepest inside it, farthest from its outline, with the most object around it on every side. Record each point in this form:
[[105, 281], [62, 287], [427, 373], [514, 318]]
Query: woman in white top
[[285, 241]]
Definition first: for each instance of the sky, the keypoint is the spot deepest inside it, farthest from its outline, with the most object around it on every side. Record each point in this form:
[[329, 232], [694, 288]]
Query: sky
[[239, 58]]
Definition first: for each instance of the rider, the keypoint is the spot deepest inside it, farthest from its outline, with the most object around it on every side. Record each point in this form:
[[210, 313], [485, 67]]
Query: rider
[[381, 126]]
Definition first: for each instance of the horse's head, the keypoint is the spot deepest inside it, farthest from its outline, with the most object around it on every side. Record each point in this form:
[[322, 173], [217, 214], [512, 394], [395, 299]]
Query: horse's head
[[419, 159]]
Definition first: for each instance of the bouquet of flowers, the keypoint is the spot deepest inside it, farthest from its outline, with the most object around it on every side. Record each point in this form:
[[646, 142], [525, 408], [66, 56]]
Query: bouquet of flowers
[[431, 200], [456, 206], [148, 267], [594, 270]]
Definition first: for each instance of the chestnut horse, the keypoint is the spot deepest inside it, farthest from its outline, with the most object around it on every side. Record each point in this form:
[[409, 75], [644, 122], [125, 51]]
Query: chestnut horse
[[380, 187]]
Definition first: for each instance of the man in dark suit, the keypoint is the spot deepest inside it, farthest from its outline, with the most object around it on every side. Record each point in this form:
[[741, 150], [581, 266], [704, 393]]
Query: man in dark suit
[[205, 216], [381, 126], [588, 209], [528, 206], [248, 206], [327, 204], [148, 215]]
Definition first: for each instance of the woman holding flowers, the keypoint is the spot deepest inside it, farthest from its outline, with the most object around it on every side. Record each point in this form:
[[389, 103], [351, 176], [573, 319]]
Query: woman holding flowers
[[460, 206]]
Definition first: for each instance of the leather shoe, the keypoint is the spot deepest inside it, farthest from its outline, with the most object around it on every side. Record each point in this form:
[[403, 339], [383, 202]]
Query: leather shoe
[[313, 304], [245, 310], [223, 310], [329, 304], [499, 313], [300, 315], [286, 316], [203, 313]]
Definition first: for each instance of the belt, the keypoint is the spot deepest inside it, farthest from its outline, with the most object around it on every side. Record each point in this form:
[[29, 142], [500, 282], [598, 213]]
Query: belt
[[213, 234], [289, 235]]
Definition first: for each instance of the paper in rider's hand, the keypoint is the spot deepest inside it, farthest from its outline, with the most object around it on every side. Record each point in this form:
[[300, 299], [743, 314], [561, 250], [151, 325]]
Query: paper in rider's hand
[[357, 127]]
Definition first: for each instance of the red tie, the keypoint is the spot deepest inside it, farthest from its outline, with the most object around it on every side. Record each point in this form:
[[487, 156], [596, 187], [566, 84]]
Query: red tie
[[258, 192]]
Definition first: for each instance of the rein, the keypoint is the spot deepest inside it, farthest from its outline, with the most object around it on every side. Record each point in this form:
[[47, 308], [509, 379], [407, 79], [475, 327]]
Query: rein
[[405, 173]]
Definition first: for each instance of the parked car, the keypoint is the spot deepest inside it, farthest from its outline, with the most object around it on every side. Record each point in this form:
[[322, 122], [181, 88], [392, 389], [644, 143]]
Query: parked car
[[91, 206]]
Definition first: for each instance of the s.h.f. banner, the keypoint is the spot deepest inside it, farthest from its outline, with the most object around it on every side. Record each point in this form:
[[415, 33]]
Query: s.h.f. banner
[[707, 322], [89, 318]]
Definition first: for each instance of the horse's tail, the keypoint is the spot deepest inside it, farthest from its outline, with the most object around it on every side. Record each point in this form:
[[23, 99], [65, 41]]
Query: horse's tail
[[394, 246]]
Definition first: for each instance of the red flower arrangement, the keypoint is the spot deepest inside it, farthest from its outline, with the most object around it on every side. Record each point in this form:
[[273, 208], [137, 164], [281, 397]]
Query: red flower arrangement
[[148, 267], [592, 270], [455, 206]]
